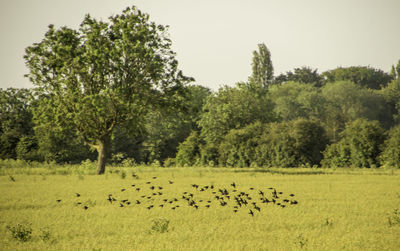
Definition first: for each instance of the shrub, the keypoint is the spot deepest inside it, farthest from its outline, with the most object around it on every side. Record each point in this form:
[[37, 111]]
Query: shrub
[[188, 151], [390, 156], [21, 232], [360, 145], [160, 225]]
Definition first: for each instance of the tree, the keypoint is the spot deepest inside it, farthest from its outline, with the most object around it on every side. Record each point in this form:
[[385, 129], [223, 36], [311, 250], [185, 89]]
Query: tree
[[346, 102], [15, 119], [360, 145], [390, 156], [304, 75], [105, 75], [294, 100], [395, 71], [263, 71], [367, 77]]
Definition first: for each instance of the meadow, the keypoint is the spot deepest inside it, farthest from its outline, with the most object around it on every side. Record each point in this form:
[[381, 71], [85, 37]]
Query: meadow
[[69, 208]]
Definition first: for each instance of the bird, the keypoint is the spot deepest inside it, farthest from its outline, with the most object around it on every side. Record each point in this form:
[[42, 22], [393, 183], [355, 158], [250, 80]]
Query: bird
[[85, 207], [58, 201], [123, 189], [233, 185], [170, 182], [154, 178], [251, 212], [78, 195]]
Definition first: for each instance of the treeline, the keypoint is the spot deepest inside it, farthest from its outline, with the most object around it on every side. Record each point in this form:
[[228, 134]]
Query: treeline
[[346, 117]]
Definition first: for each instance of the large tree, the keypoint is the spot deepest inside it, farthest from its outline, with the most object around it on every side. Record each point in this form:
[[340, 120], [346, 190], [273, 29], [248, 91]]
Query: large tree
[[105, 74]]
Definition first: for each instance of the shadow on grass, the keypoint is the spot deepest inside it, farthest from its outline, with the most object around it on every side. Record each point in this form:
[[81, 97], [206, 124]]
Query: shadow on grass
[[286, 171]]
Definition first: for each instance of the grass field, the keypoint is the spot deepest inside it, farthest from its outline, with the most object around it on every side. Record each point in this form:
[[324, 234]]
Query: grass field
[[325, 209]]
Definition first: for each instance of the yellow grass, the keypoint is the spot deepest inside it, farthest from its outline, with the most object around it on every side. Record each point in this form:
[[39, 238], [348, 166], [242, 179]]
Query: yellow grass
[[338, 210]]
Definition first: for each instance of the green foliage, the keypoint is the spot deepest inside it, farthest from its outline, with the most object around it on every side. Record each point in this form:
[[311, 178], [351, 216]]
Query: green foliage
[[238, 146], [394, 218], [262, 68], [293, 100], [27, 149], [346, 102], [15, 119], [390, 156], [304, 75], [160, 226], [360, 146], [291, 144], [286, 144], [21, 232], [105, 74], [367, 77], [233, 108], [188, 151]]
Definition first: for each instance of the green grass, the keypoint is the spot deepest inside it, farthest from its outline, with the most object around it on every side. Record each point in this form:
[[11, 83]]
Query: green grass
[[337, 210]]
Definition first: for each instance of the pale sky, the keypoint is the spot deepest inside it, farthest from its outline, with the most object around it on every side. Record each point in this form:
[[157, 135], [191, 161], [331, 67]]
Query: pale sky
[[214, 39]]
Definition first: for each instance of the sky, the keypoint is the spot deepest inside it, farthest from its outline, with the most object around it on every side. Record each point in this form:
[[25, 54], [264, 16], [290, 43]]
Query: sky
[[214, 39]]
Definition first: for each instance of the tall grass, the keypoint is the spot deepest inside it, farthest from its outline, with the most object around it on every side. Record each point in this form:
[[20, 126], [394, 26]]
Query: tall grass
[[337, 210]]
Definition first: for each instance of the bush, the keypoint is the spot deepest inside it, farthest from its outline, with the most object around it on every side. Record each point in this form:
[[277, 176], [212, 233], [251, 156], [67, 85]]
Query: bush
[[292, 144], [390, 156], [160, 225], [286, 144], [21, 232], [188, 151], [360, 146]]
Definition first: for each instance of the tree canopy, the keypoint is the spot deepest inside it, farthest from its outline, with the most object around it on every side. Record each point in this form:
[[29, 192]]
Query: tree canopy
[[105, 74]]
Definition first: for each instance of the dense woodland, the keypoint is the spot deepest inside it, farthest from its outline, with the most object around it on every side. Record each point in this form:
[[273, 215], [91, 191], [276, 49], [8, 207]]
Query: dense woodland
[[113, 92]]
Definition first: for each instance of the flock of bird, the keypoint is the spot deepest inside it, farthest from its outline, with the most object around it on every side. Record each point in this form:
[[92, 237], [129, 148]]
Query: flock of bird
[[151, 194]]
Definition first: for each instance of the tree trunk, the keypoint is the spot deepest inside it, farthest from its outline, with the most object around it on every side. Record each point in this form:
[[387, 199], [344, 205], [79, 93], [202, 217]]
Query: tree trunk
[[103, 150]]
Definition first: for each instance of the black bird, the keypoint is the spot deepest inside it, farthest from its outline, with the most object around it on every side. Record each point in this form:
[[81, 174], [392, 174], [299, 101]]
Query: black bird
[[85, 207], [128, 202], [207, 206], [123, 189], [165, 200], [160, 188], [152, 187], [235, 211], [170, 182], [154, 178], [78, 203], [251, 212], [120, 205], [78, 195], [133, 185], [233, 185], [251, 188], [137, 202], [261, 193], [257, 208], [58, 201], [148, 182], [293, 202], [138, 189], [291, 195]]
